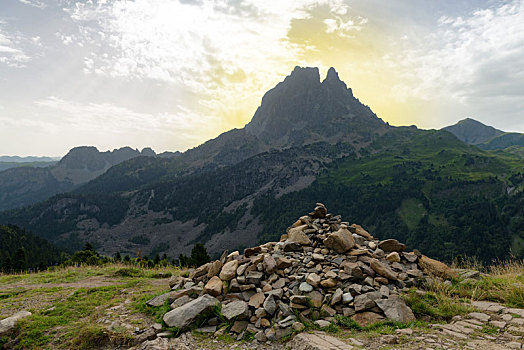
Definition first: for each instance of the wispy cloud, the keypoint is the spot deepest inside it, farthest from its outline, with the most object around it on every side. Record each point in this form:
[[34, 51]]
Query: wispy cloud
[[10, 52], [471, 57], [115, 120], [34, 3], [203, 46]]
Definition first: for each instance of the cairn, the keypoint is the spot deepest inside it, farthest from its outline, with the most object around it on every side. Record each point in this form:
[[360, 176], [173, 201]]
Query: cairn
[[322, 267]]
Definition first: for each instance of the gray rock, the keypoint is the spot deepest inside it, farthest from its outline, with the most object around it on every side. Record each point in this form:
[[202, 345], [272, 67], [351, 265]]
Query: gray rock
[[347, 298], [396, 309], [366, 301], [9, 323], [391, 245], [160, 299], [305, 287], [236, 309], [185, 315], [270, 305]]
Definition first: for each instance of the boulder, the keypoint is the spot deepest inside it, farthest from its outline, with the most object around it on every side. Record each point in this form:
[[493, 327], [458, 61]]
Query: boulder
[[297, 235], [161, 299], [185, 315], [229, 270], [361, 232], [396, 309], [269, 264], [8, 324], [391, 245], [435, 267], [340, 241], [236, 309], [213, 286], [383, 270], [214, 268]]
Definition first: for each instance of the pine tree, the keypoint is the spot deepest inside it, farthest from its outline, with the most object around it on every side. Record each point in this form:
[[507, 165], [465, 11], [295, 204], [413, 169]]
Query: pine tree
[[199, 255], [19, 260]]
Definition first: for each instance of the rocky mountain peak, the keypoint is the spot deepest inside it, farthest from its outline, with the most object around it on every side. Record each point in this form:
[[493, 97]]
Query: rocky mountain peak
[[302, 110], [472, 131]]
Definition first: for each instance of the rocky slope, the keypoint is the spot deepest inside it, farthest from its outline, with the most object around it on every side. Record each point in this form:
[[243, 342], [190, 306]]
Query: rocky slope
[[26, 185]]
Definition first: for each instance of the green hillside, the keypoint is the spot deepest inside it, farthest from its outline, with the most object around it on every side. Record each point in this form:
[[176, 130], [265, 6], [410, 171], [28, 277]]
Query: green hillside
[[424, 188], [21, 250]]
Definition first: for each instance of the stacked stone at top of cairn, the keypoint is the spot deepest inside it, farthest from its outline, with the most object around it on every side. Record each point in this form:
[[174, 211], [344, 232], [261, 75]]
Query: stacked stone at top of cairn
[[322, 267]]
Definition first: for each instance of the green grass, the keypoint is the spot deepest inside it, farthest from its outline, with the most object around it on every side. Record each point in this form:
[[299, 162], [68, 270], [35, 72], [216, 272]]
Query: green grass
[[66, 311], [438, 304]]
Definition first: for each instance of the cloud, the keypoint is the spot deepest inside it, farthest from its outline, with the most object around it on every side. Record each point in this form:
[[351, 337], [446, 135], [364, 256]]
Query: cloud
[[469, 57], [10, 52], [34, 3], [97, 116], [226, 51]]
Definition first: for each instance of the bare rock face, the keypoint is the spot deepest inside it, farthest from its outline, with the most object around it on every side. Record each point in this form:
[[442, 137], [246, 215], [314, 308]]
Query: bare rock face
[[340, 241], [185, 315], [317, 272]]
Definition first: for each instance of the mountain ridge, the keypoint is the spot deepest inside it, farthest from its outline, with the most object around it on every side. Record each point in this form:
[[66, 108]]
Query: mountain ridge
[[222, 192]]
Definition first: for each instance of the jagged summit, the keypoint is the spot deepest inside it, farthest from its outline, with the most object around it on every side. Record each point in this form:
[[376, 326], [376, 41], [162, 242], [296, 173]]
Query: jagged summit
[[302, 109]]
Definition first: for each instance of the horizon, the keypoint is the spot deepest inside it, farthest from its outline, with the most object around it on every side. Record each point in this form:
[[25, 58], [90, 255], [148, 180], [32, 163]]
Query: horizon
[[171, 75]]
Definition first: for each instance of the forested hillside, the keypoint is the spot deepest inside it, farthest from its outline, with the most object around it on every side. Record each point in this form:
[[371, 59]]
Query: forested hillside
[[22, 250]]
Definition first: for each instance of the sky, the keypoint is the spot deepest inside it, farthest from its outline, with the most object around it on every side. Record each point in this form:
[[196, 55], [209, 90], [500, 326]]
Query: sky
[[171, 74]]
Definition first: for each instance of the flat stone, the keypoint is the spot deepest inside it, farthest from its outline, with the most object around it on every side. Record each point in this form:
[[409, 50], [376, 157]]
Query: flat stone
[[391, 245], [361, 232], [328, 283], [214, 268], [393, 257], [396, 309], [229, 270], [322, 323], [383, 270], [305, 287], [340, 241], [313, 279], [161, 299], [185, 315], [436, 268], [479, 316], [239, 326], [237, 309], [297, 235], [317, 341], [9, 323], [365, 301], [213, 286], [256, 300], [270, 305], [283, 263], [347, 298]]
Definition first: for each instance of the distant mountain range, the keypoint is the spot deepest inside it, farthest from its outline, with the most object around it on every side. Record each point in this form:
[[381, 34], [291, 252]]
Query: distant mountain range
[[309, 141], [25, 185]]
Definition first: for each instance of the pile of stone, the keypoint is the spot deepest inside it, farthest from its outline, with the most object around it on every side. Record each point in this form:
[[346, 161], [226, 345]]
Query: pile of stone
[[322, 267]]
